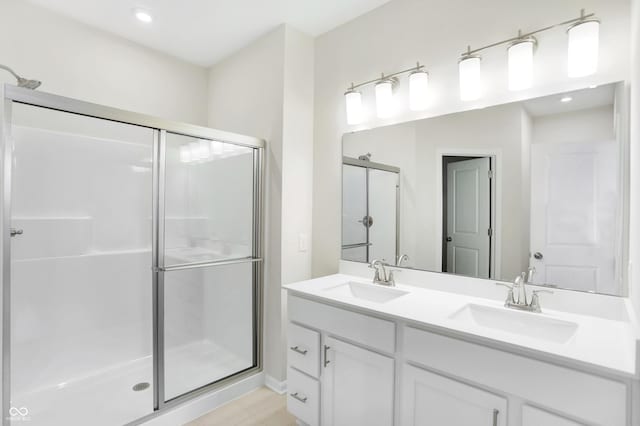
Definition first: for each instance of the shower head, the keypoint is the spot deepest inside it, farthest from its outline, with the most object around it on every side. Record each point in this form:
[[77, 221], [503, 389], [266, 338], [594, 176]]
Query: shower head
[[28, 84], [22, 82]]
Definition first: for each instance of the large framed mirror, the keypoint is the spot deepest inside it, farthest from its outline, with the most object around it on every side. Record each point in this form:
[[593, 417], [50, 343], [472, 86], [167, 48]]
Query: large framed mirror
[[492, 192]]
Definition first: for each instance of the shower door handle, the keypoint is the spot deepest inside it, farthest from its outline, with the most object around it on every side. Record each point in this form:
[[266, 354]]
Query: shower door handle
[[13, 232]]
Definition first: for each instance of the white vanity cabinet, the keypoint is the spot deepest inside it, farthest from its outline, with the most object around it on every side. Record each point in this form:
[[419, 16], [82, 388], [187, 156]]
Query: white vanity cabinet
[[350, 366], [358, 386], [532, 416], [432, 399]]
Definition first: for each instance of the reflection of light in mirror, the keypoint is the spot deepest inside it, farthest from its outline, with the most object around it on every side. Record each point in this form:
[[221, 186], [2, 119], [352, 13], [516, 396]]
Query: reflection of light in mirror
[[185, 154], [205, 150], [194, 147], [566, 99]]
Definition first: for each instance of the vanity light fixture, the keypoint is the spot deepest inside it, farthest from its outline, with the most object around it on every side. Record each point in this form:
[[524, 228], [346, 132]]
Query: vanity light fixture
[[418, 90], [583, 56], [584, 38], [353, 100], [520, 62], [470, 76], [384, 97], [384, 86]]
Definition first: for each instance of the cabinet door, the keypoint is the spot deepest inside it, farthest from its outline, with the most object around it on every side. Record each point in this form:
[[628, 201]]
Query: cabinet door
[[532, 416], [432, 400], [357, 387]]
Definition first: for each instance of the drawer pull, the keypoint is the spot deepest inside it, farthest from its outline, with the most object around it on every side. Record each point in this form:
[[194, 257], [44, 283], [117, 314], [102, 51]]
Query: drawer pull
[[326, 359], [302, 399], [298, 350], [495, 417]]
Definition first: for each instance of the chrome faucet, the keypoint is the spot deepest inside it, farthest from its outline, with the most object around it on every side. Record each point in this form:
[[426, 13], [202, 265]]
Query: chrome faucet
[[380, 276], [402, 258], [517, 296]]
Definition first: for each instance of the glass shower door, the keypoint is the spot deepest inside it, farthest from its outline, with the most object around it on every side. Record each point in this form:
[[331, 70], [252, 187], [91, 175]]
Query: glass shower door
[[207, 262], [355, 214], [81, 279]]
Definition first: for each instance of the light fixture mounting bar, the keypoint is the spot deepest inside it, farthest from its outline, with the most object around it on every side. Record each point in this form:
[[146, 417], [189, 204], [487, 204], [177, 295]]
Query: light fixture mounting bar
[[582, 17], [418, 67]]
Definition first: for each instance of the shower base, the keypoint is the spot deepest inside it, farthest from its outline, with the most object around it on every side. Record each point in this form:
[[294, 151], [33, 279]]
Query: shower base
[[107, 398]]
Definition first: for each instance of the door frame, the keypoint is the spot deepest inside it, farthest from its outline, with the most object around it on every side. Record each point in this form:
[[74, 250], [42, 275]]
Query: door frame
[[10, 94], [495, 263]]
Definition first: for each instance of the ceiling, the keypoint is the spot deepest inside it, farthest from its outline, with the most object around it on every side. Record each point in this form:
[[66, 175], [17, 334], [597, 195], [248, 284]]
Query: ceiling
[[580, 99], [205, 31]]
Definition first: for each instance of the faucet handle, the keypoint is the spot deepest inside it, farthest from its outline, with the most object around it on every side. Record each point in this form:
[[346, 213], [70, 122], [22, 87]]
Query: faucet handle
[[510, 298], [542, 291], [535, 300], [509, 286], [390, 278]]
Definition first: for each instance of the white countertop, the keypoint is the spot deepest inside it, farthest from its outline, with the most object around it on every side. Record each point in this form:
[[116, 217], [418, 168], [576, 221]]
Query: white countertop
[[605, 345]]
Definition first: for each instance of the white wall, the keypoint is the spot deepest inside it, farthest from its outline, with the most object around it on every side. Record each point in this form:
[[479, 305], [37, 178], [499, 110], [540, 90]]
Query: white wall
[[588, 125], [80, 62], [397, 34], [266, 90]]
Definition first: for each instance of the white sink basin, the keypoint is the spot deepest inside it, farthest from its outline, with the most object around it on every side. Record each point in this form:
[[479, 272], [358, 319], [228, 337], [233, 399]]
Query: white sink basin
[[365, 291], [535, 325]]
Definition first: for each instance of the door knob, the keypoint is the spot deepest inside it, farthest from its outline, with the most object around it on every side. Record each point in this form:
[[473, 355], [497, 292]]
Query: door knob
[[13, 232], [449, 239], [537, 255]]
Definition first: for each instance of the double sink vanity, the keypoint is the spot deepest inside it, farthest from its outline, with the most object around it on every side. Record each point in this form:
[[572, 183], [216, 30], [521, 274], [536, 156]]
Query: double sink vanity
[[444, 208], [361, 353]]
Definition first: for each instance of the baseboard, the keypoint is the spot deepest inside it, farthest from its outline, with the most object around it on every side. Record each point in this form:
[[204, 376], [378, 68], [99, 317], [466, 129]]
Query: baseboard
[[204, 404], [275, 385]]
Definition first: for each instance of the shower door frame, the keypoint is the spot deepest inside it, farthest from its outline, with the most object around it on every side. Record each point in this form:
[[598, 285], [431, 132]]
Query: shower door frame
[[10, 94], [370, 165]]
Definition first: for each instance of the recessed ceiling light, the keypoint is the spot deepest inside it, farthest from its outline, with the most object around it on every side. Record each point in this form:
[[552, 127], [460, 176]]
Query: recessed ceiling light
[[142, 16], [566, 99]]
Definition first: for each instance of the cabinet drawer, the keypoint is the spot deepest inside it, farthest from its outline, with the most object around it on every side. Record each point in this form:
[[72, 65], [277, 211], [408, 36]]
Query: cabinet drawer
[[369, 331], [580, 395], [303, 350], [303, 397]]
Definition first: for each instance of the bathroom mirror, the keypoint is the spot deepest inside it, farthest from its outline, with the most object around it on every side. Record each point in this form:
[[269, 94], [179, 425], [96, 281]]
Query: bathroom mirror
[[490, 192]]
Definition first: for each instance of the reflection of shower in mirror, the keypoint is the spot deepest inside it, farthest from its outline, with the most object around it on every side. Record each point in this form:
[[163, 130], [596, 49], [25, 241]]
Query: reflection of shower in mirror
[[480, 192]]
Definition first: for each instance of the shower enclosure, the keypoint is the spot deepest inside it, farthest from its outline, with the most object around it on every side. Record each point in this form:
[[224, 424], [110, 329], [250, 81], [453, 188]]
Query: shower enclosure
[[370, 211], [131, 261]]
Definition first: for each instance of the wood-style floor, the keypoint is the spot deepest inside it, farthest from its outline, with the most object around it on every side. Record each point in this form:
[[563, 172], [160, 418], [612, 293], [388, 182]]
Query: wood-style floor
[[262, 407]]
